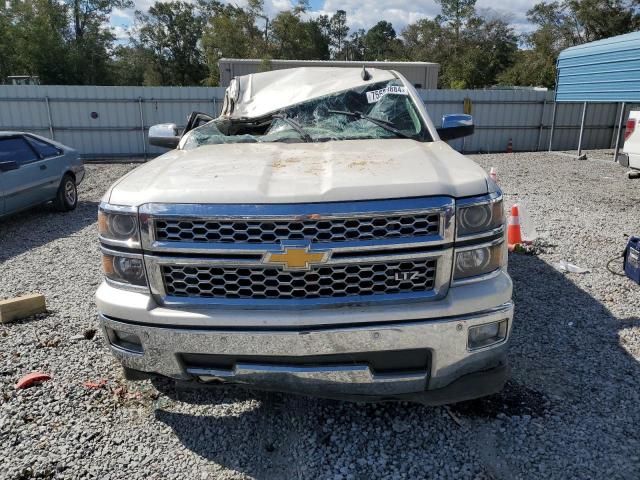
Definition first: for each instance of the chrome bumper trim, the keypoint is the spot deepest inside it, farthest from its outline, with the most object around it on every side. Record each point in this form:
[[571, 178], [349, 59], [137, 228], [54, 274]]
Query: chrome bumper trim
[[446, 339], [348, 379]]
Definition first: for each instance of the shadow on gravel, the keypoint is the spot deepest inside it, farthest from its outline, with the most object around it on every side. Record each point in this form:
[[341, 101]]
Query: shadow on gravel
[[564, 347], [263, 440], [40, 225], [514, 399], [567, 363]]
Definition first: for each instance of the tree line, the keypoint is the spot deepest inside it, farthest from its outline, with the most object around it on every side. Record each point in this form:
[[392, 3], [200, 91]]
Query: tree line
[[180, 43]]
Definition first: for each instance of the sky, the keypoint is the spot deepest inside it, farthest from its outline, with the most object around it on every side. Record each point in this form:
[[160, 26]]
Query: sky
[[365, 13]]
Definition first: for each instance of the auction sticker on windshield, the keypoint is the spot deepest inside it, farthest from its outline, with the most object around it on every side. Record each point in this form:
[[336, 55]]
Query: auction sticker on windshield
[[375, 95]]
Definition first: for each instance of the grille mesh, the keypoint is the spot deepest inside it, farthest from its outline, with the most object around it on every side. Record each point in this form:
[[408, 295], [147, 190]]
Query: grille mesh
[[329, 281], [274, 231]]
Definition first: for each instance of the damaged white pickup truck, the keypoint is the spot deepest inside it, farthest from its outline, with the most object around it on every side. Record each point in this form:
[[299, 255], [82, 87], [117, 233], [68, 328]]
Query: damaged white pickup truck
[[318, 237]]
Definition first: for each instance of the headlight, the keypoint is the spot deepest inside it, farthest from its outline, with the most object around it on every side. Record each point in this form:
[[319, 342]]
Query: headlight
[[481, 260], [124, 269], [118, 225], [478, 218]]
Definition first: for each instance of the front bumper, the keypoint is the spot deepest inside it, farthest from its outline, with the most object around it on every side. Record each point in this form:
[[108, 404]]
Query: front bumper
[[450, 366]]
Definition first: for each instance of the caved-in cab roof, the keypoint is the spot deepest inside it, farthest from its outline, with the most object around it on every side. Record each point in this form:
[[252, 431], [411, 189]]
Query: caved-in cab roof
[[259, 94]]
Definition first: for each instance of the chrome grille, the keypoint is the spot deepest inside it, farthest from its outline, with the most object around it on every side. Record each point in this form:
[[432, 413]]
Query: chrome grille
[[327, 281], [352, 228]]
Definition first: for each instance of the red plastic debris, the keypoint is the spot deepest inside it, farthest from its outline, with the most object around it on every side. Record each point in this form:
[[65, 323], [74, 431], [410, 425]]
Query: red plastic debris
[[31, 379], [95, 385]]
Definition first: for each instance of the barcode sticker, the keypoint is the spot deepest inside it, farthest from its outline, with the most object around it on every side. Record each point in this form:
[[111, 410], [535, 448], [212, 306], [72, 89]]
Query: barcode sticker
[[375, 95]]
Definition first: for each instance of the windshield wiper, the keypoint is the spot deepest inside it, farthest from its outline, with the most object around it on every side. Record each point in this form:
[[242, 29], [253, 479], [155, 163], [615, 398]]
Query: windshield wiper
[[295, 125], [376, 121]]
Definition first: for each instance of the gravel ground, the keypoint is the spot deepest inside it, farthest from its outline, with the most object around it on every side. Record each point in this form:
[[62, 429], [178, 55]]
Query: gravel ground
[[570, 410]]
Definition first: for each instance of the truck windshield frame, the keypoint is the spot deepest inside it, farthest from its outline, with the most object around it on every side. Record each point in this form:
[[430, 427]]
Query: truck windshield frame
[[382, 110]]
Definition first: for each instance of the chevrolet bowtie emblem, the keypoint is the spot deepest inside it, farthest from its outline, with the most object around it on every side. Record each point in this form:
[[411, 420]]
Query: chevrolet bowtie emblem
[[296, 258]]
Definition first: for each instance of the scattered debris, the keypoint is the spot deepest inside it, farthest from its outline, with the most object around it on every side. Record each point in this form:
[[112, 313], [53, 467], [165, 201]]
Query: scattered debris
[[453, 416], [565, 266], [120, 392], [22, 307], [50, 342], [95, 385], [525, 248], [89, 333], [32, 379]]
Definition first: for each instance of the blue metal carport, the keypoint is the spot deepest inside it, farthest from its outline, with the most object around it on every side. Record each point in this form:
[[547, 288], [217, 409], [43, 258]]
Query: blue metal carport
[[606, 70]]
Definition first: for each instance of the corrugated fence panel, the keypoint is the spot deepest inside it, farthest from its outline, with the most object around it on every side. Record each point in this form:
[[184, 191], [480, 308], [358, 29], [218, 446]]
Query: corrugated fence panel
[[107, 121], [102, 121], [499, 116]]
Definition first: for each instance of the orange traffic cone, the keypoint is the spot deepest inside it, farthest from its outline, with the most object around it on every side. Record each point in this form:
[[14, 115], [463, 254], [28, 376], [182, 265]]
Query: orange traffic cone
[[510, 146], [514, 234]]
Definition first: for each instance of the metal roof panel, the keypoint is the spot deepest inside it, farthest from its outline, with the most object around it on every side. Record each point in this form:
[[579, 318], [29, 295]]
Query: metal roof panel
[[606, 70]]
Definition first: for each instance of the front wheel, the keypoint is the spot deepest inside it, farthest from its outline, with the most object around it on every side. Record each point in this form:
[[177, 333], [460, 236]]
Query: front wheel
[[67, 196]]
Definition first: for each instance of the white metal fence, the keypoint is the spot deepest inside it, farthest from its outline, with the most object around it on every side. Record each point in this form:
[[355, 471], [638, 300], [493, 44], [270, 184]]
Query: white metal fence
[[108, 122]]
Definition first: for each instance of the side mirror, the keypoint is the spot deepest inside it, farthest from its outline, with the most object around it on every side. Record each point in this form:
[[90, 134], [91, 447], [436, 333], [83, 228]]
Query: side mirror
[[164, 135], [8, 165], [455, 125]]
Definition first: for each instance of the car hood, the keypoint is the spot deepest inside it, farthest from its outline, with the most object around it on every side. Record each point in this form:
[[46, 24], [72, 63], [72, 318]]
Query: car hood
[[301, 172]]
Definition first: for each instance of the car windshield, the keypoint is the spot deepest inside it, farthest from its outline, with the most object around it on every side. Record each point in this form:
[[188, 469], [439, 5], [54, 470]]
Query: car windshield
[[379, 110]]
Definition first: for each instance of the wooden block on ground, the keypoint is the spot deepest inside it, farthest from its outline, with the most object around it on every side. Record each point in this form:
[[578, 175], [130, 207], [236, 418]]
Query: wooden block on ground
[[21, 307]]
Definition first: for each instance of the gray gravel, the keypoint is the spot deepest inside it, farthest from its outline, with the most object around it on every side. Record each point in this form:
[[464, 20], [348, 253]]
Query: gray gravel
[[570, 411]]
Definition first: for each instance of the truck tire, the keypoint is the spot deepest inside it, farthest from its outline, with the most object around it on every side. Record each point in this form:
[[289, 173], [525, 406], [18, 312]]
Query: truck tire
[[67, 196]]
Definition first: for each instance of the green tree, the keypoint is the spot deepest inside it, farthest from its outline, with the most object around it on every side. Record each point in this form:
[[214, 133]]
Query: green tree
[[457, 13], [338, 33], [91, 40], [231, 32], [6, 48], [425, 41], [134, 65], [293, 38], [597, 19], [354, 47], [560, 25], [489, 48], [380, 42], [172, 31], [34, 37], [473, 56], [86, 13], [255, 9]]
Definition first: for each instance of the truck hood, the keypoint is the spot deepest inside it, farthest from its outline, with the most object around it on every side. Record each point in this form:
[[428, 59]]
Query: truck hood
[[301, 172]]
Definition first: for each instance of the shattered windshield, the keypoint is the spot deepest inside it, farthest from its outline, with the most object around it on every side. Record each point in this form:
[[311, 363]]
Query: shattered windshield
[[379, 110]]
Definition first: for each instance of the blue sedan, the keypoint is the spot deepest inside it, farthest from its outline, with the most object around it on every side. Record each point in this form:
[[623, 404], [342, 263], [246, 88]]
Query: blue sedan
[[36, 170]]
